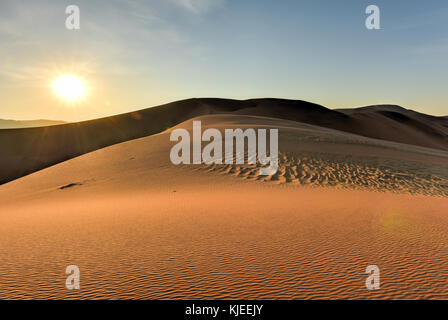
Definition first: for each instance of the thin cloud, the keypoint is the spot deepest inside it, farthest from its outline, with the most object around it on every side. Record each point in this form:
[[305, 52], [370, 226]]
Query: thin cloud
[[199, 6]]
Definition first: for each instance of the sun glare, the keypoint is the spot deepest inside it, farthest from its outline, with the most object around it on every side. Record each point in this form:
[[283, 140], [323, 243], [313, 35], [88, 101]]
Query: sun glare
[[69, 87]]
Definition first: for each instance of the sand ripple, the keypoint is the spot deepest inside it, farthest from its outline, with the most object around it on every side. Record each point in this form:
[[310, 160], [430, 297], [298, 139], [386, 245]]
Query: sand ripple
[[276, 244], [347, 172]]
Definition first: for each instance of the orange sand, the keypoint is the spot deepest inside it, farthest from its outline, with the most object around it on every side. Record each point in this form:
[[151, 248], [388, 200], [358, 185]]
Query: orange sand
[[139, 227]]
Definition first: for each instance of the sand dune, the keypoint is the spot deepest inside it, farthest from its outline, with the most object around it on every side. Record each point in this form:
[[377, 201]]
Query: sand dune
[[140, 227], [27, 150], [14, 124]]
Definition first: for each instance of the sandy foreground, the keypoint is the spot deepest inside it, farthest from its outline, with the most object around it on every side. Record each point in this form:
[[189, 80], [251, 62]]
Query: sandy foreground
[[140, 227]]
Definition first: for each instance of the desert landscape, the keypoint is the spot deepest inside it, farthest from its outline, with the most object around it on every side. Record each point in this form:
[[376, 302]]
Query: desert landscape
[[354, 187]]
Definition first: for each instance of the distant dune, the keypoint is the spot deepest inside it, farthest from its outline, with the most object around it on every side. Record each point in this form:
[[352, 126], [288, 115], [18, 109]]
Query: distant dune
[[27, 150], [14, 124]]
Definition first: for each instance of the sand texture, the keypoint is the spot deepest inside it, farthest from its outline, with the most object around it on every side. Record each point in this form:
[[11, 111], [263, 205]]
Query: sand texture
[[140, 227]]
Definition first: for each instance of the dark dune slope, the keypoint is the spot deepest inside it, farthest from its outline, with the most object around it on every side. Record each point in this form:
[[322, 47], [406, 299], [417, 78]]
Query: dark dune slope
[[394, 123], [27, 150]]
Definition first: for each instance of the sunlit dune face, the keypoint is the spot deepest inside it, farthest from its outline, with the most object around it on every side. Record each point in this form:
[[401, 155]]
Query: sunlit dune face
[[69, 88]]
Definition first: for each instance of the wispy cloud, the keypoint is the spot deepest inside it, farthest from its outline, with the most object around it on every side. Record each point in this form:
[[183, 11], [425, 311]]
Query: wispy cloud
[[198, 6], [119, 37]]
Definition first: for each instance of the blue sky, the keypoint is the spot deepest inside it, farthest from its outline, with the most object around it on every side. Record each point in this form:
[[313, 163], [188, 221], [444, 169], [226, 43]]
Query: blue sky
[[136, 54]]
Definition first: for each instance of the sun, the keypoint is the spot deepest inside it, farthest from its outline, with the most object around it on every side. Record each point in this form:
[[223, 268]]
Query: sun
[[69, 87]]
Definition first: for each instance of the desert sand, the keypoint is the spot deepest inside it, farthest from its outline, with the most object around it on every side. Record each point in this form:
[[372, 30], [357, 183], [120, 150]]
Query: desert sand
[[140, 227]]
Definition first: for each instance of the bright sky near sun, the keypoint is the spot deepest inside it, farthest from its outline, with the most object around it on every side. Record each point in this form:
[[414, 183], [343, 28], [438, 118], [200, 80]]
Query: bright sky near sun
[[133, 54]]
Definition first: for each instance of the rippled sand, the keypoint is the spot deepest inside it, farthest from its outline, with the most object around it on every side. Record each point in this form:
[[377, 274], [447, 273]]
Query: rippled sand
[[263, 244], [140, 228], [347, 172]]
